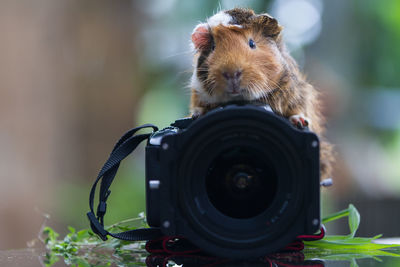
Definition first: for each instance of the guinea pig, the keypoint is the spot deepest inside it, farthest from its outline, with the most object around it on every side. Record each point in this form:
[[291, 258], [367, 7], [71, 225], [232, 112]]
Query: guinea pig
[[240, 56]]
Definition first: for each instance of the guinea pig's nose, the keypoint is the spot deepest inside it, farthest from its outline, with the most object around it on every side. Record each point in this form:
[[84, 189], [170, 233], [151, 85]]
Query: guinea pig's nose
[[235, 76]]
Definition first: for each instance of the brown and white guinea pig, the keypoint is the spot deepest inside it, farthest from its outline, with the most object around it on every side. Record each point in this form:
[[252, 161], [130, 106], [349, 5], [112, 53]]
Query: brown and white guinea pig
[[240, 56]]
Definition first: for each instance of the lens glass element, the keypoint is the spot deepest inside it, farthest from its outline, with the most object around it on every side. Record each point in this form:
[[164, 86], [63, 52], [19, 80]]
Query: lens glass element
[[241, 182]]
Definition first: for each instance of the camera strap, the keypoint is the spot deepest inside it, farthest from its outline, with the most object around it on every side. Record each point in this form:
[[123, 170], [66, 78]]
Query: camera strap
[[127, 143]]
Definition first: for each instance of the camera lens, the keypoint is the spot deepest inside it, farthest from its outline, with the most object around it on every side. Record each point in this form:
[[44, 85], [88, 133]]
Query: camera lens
[[241, 183]]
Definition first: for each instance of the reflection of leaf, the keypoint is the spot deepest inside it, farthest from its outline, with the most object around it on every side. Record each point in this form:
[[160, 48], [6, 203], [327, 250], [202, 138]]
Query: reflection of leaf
[[348, 254], [353, 263], [50, 259], [348, 245]]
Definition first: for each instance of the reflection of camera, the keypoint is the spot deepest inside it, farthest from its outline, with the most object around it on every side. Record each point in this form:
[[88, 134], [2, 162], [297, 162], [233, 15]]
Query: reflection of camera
[[238, 182]]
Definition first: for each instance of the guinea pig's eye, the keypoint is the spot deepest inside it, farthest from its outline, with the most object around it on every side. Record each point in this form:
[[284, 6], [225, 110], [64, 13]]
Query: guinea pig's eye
[[252, 44], [212, 46]]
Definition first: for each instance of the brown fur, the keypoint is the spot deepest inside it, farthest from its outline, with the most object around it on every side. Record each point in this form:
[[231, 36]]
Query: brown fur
[[269, 73]]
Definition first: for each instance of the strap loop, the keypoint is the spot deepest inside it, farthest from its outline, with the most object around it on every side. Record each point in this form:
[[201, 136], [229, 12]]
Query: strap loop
[[126, 144], [97, 228]]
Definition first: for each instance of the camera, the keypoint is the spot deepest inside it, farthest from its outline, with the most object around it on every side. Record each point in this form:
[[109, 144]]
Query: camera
[[238, 182]]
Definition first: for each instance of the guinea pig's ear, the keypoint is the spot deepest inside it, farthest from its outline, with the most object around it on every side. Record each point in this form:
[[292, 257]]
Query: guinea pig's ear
[[201, 37], [270, 26]]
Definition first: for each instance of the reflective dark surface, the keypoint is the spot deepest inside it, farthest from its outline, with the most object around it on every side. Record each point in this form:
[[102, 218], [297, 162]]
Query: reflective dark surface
[[278, 259], [132, 256]]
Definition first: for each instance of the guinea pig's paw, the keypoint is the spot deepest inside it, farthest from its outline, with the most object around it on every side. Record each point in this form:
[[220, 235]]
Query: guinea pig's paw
[[300, 121], [197, 113]]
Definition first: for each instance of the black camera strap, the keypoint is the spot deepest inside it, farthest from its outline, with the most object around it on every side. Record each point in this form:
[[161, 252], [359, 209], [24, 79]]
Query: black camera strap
[[127, 143]]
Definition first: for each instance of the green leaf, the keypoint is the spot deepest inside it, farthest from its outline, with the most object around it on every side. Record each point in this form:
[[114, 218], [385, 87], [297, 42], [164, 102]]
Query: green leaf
[[354, 220], [346, 238], [71, 229], [335, 216], [82, 234], [51, 235]]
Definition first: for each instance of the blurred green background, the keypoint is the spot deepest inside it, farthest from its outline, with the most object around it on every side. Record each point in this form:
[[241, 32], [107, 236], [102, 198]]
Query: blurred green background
[[74, 75]]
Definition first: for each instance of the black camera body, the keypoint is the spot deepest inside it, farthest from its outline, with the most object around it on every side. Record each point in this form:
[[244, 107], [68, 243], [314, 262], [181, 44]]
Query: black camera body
[[238, 182]]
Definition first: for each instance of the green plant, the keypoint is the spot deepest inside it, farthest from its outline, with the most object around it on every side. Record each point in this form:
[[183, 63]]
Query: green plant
[[348, 247], [84, 248]]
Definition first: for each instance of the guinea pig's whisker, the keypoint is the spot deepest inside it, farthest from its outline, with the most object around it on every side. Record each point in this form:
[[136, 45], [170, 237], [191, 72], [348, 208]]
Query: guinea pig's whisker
[[187, 71], [258, 91], [177, 54], [210, 84], [275, 84]]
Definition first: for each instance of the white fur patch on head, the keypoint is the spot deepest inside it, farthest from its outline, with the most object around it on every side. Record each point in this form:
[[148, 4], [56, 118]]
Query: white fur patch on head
[[219, 18], [222, 18]]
